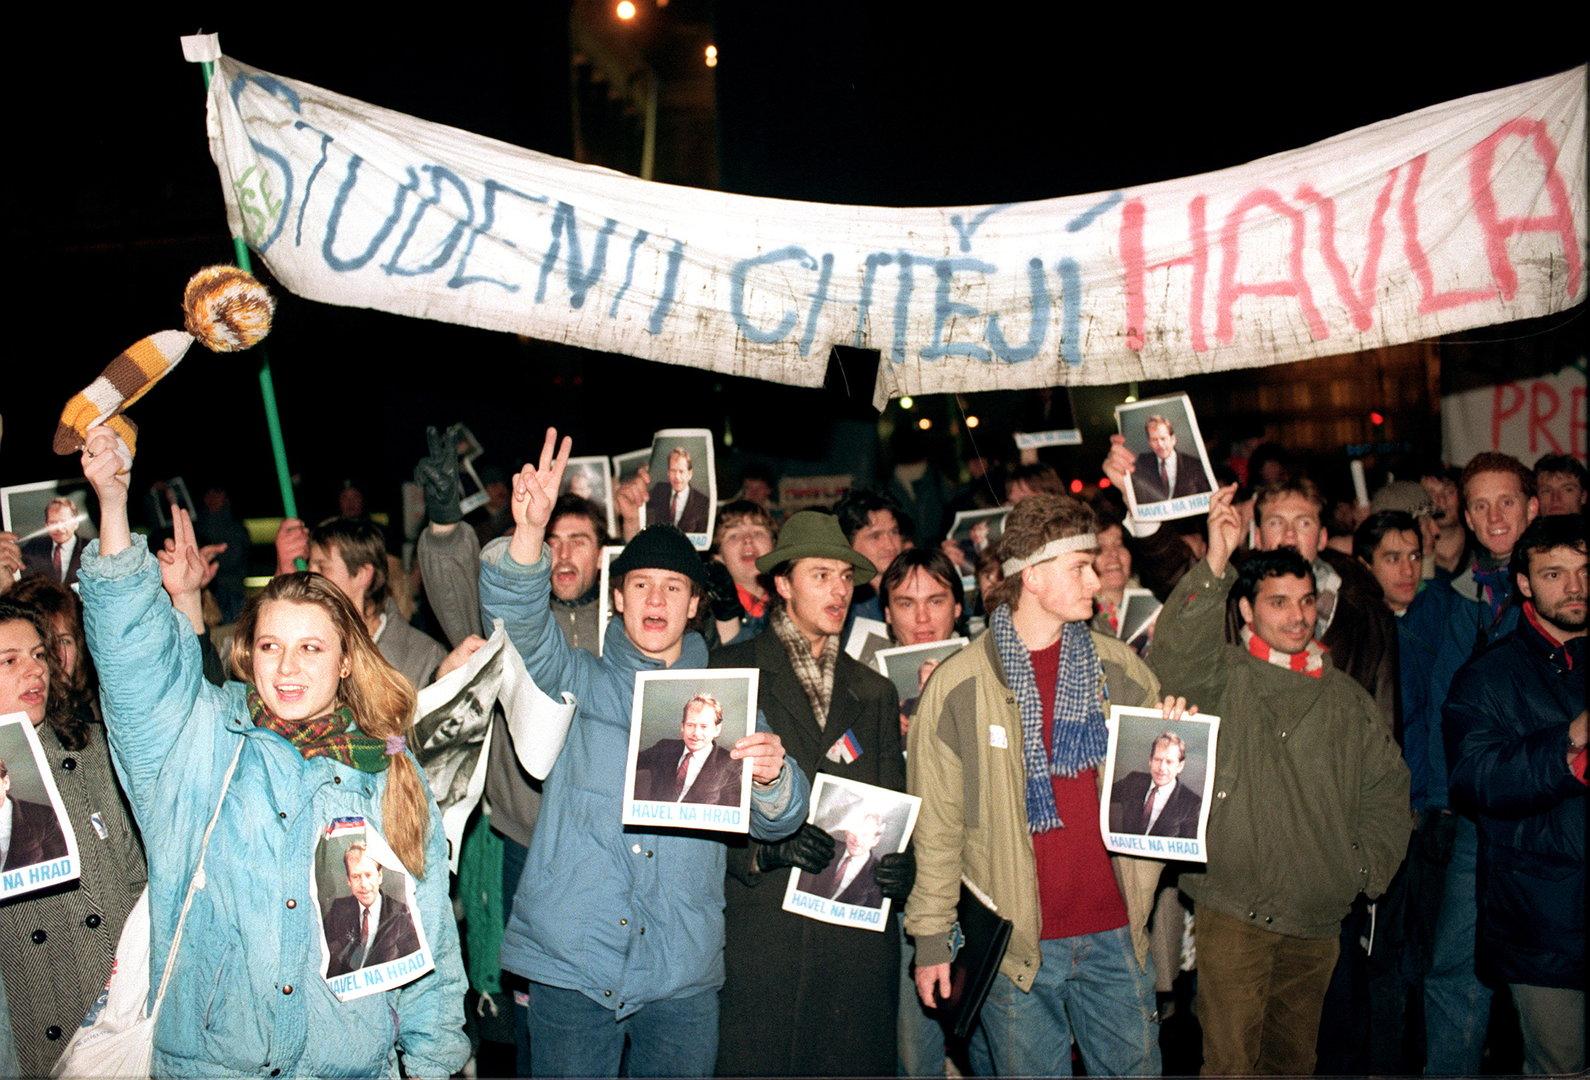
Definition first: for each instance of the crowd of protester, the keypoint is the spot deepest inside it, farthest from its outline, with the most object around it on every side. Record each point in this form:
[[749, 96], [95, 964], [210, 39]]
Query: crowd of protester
[[1395, 829]]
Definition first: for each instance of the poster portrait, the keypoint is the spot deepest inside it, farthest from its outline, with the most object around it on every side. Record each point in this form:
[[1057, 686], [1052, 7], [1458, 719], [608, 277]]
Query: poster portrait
[[371, 936], [866, 637], [591, 478], [908, 667], [40, 850], [628, 464], [683, 724], [866, 822], [1171, 477], [1157, 780], [48, 513], [684, 486], [977, 530], [1139, 610]]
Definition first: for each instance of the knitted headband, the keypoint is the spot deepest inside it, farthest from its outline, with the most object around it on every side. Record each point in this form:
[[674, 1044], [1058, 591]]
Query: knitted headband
[[1052, 550]]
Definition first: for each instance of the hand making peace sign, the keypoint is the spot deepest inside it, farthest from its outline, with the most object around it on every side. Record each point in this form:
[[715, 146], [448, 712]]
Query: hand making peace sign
[[535, 490]]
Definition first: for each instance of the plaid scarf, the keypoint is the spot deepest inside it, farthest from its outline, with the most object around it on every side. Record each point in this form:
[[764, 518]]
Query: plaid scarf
[[815, 674], [1080, 738], [1310, 662], [334, 735]]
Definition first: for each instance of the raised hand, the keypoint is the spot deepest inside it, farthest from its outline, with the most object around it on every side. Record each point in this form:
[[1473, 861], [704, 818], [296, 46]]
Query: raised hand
[[292, 545], [10, 560], [1119, 462], [105, 463], [186, 568], [629, 498], [437, 475], [1225, 529], [535, 490]]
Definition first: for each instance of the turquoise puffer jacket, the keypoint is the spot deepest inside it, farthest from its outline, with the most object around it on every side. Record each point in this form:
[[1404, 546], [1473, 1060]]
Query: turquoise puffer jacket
[[624, 917], [246, 997]]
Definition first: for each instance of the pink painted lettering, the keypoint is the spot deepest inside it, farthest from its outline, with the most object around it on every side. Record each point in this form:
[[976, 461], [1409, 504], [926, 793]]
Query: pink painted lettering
[[1498, 229], [1137, 268], [1296, 285]]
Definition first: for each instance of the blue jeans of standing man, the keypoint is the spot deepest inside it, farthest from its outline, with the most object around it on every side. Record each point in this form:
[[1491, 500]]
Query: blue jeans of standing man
[[1457, 1006], [571, 1035], [1089, 988]]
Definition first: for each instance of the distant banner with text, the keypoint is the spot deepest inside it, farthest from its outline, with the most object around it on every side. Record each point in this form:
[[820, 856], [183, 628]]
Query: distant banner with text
[[1463, 214]]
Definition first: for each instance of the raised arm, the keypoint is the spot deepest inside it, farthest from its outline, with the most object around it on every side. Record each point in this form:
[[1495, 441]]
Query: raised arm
[[1190, 635]]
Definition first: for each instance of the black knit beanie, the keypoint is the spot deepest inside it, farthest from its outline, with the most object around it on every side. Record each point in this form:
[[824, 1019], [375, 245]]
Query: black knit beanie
[[660, 547]]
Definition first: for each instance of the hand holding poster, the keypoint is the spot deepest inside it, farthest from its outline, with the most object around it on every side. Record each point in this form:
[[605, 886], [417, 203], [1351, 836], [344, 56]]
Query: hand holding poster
[[372, 938], [1156, 780], [41, 849], [866, 823], [683, 726], [1171, 477]]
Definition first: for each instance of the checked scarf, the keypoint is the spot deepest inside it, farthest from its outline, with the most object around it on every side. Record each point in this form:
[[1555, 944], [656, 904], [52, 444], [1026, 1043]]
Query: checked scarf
[[816, 675], [1310, 662], [333, 735], [1080, 738]]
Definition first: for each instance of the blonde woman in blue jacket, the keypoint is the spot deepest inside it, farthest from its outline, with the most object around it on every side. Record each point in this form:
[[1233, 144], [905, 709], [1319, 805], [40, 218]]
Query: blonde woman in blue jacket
[[322, 720]]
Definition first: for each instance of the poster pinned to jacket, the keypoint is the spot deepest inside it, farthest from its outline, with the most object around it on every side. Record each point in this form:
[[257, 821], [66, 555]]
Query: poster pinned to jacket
[[453, 733], [1171, 476], [372, 939], [867, 823], [1463, 214], [683, 724], [1157, 781], [684, 484], [40, 849]]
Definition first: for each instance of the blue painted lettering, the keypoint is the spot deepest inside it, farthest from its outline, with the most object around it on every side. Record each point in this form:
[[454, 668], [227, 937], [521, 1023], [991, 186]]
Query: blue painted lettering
[[580, 280]]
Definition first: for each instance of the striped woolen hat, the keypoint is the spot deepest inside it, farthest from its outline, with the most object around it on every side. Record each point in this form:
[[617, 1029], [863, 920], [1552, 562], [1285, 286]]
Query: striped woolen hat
[[224, 308]]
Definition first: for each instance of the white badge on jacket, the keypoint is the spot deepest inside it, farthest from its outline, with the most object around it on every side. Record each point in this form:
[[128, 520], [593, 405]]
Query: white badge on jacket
[[997, 737]]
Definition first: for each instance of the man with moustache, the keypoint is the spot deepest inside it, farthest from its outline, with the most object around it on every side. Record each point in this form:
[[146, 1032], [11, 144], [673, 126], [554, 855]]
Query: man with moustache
[[1517, 727], [851, 874], [836, 1016], [60, 550], [627, 952], [1156, 802], [1310, 801], [692, 768], [676, 501], [1162, 472]]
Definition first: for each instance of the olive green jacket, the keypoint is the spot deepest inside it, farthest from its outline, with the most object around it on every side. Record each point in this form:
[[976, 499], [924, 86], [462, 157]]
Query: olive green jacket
[[973, 821], [1310, 802]]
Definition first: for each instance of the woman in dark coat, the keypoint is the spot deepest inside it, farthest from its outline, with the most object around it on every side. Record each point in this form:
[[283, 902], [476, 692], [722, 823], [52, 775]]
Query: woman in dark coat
[[803, 997], [56, 945]]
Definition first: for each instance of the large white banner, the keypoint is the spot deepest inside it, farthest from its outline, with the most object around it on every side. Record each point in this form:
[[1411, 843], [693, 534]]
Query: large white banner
[[1460, 215]]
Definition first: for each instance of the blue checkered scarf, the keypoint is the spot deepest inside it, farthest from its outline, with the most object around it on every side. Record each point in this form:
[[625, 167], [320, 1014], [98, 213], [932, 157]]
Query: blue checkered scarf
[[1081, 740]]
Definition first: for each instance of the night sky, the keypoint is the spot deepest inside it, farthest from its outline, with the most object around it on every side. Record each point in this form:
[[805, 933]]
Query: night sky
[[113, 201]]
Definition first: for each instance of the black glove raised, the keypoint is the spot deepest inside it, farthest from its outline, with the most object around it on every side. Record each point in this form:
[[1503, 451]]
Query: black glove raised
[[810, 849], [437, 476], [896, 874], [722, 596]]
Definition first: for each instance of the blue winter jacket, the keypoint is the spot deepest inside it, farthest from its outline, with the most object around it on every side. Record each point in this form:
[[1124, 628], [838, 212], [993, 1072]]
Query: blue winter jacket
[[246, 997], [624, 917]]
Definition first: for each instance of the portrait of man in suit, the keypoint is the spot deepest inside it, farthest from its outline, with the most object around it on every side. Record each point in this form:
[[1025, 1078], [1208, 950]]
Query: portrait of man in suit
[[676, 501], [29, 832], [1156, 802], [371, 926], [692, 768], [850, 876], [1163, 472], [59, 551]]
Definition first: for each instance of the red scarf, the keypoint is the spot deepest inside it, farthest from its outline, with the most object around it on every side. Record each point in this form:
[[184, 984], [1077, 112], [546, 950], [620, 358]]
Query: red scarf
[[1310, 662], [753, 606]]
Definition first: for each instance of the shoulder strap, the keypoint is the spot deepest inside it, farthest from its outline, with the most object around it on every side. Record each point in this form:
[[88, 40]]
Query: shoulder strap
[[196, 882]]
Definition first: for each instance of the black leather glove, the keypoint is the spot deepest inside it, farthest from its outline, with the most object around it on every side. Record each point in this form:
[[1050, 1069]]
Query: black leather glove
[[722, 596], [437, 476], [896, 874], [811, 849]]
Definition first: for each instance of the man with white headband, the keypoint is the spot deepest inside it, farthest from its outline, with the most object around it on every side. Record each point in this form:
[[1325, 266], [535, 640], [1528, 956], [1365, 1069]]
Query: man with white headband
[[1006, 753]]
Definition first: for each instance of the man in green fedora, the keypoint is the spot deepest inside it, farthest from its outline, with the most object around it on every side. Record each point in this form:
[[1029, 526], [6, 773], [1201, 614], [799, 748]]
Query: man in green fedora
[[833, 715]]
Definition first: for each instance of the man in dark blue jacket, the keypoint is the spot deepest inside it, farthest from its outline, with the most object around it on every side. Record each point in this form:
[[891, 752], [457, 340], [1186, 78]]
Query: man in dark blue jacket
[[1515, 727]]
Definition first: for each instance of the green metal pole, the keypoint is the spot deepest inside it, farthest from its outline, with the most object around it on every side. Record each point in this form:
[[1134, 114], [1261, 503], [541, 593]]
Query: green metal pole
[[267, 385]]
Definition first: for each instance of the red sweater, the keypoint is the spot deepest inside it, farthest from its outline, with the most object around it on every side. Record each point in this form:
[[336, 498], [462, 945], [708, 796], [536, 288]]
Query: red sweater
[[1077, 891]]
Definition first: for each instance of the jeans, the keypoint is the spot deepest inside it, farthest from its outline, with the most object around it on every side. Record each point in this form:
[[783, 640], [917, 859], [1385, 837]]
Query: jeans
[[1457, 1006], [571, 1035], [1090, 988], [513, 856], [918, 1035]]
